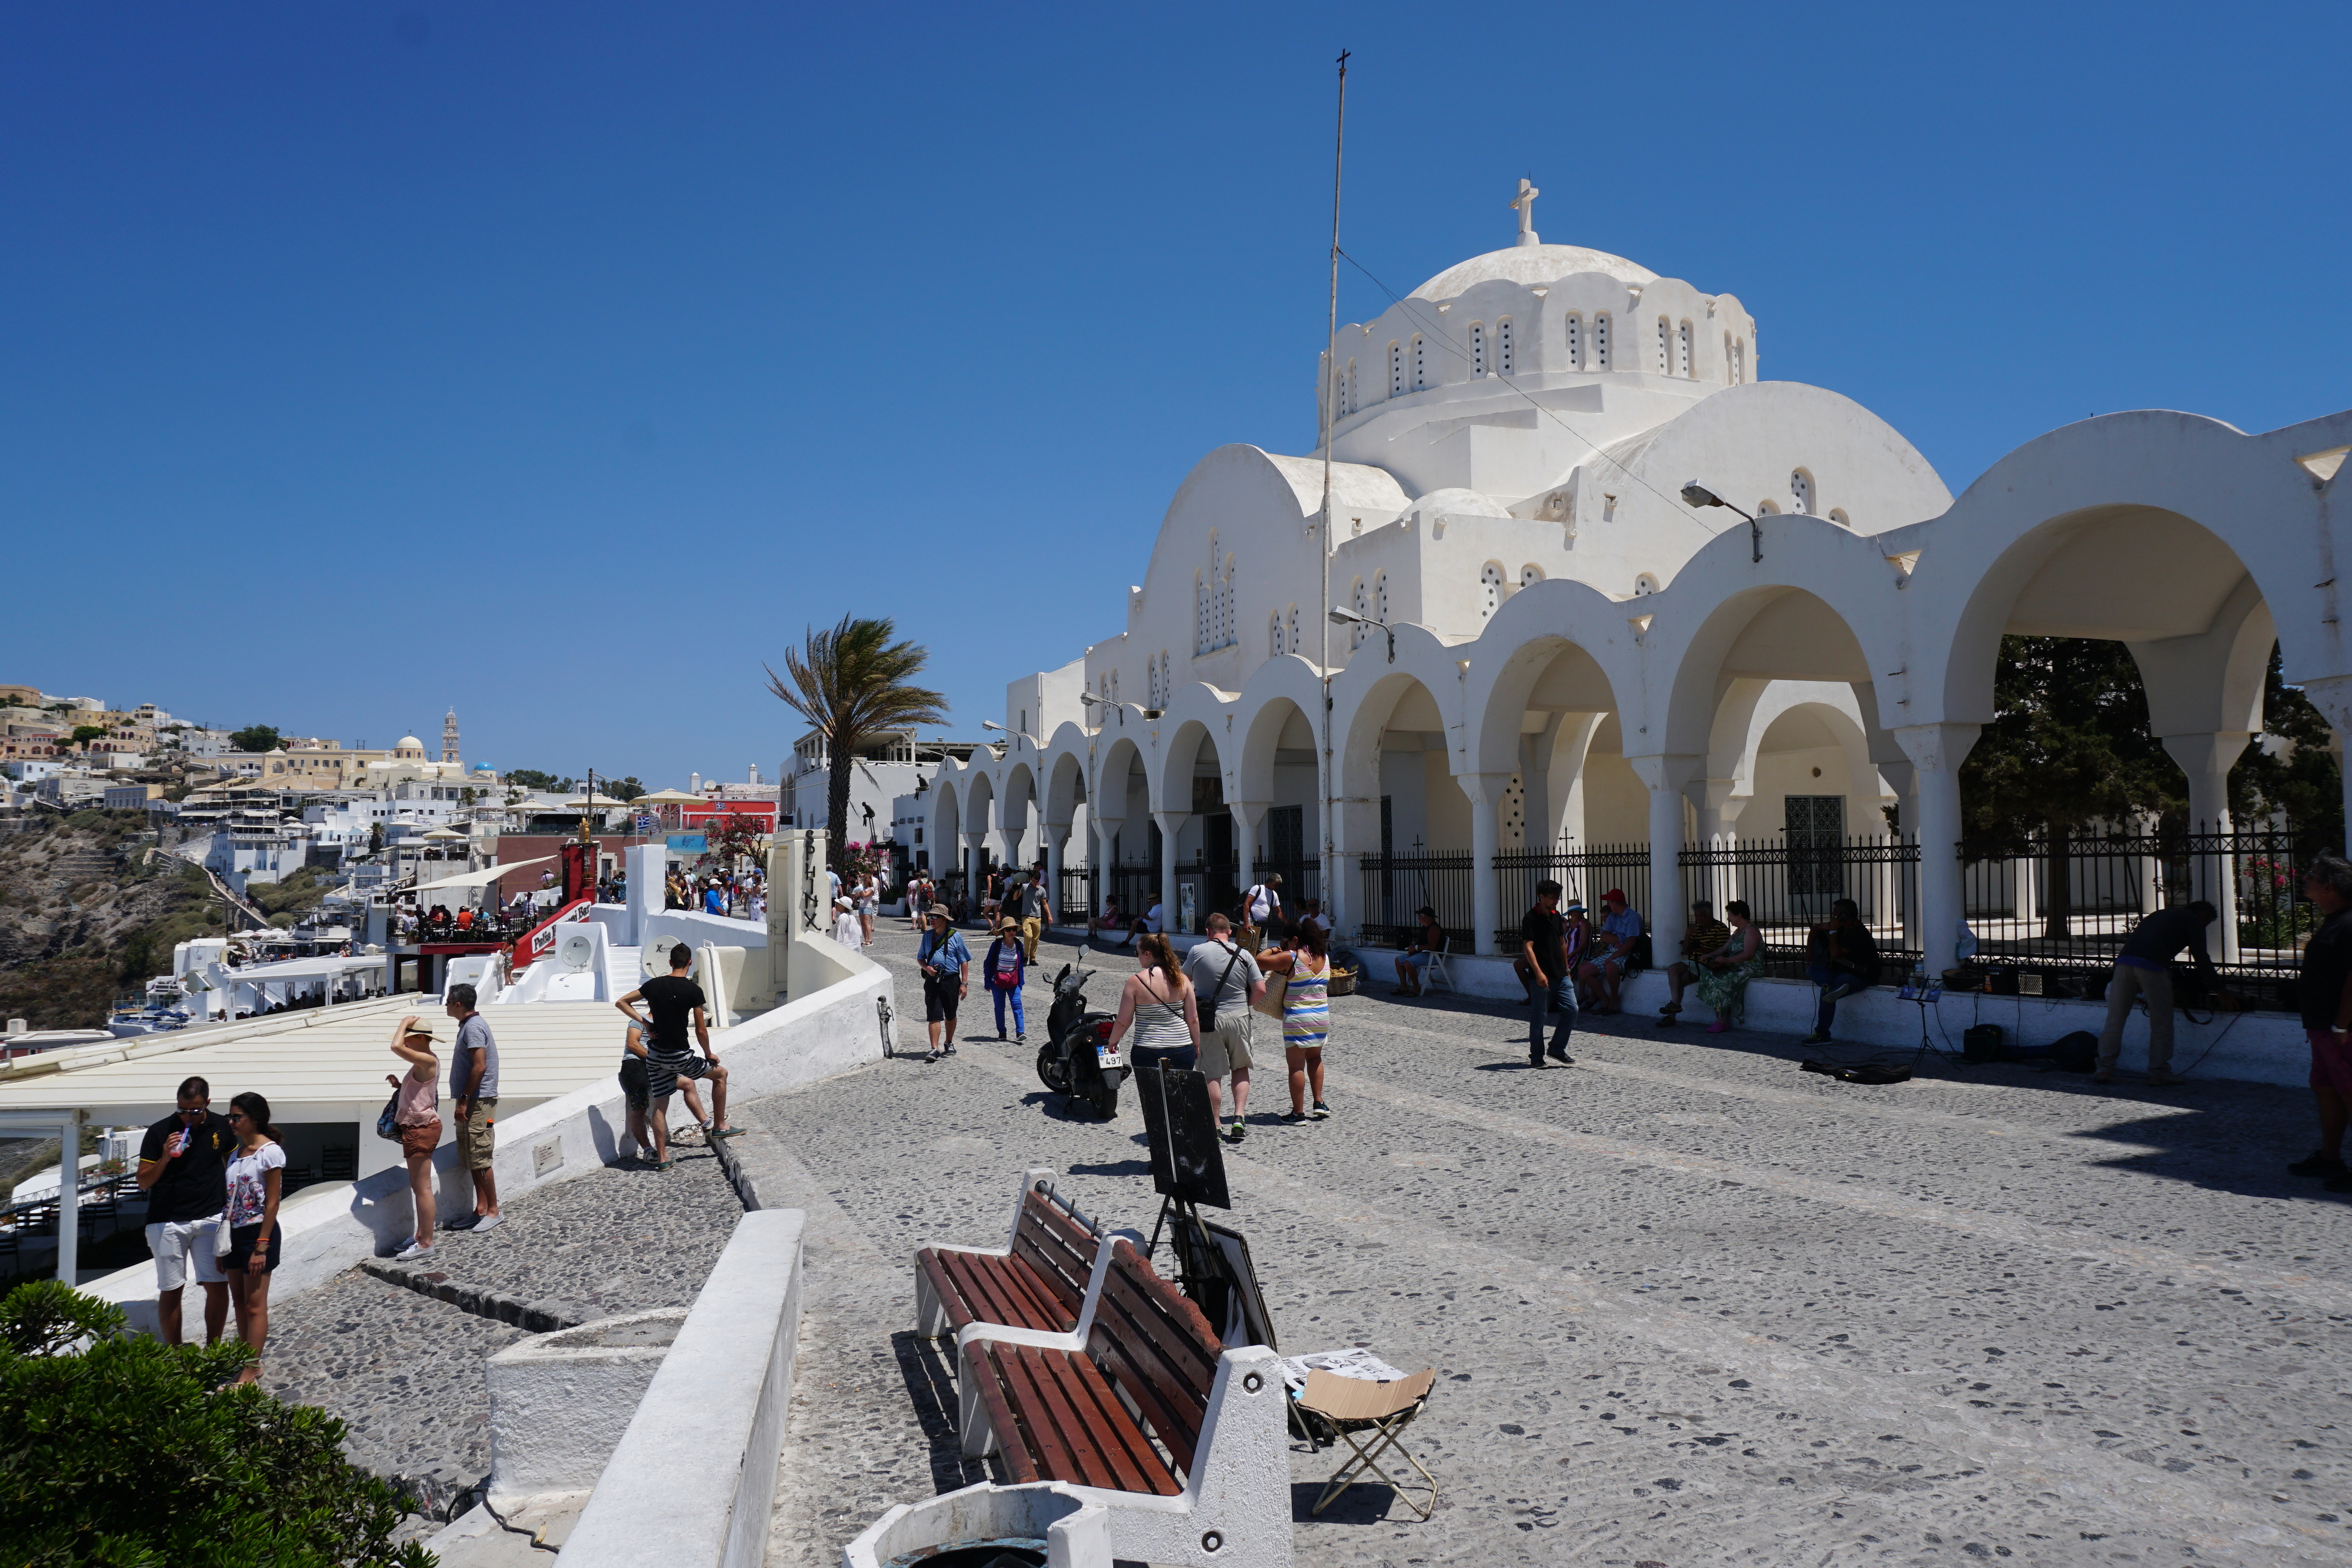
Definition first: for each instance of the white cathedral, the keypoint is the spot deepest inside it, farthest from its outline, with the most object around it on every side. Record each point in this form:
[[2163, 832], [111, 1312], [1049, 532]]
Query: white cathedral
[[1532, 639]]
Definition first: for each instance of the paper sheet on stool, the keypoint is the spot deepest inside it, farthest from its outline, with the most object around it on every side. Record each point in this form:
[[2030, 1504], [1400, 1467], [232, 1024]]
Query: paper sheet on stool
[[1357, 1363]]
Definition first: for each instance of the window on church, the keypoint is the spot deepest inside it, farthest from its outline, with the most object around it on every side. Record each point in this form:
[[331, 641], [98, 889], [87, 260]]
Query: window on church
[[1840, 518], [1800, 487], [1767, 507], [1645, 586], [1420, 365], [1531, 574], [1738, 361], [1357, 597], [1478, 348], [1575, 325], [1665, 349], [1380, 597], [1396, 369], [1273, 648], [1351, 403], [1200, 615], [1683, 350], [1601, 340], [1294, 645], [1503, 346], [1490, 589]]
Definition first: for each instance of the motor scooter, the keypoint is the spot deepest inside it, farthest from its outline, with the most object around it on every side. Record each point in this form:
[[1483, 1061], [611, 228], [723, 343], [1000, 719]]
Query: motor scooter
[[1076, 1060]]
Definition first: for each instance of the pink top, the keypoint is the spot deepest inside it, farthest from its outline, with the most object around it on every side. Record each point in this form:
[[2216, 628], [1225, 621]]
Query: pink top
[[418, 1100]]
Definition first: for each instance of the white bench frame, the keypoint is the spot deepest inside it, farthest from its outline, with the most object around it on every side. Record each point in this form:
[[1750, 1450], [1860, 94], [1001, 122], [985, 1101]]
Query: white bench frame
[[1236, 1505], [931, 1313]]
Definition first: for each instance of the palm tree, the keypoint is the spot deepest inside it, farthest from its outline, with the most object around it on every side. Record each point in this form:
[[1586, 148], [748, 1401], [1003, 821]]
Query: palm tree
[[852, 682]]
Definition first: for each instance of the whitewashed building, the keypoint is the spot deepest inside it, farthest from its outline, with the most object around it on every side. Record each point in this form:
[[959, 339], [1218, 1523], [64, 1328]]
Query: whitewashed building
[[1554, 648]]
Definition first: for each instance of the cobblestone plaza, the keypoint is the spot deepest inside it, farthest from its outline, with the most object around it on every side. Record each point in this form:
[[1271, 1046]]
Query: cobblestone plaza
[[1687, 1303]]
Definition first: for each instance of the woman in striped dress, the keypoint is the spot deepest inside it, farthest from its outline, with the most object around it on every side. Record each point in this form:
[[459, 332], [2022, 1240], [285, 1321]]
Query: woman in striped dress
[[1305, 1016]]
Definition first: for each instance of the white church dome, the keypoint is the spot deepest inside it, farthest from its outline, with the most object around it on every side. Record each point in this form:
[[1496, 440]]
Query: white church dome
[[1532, 264]]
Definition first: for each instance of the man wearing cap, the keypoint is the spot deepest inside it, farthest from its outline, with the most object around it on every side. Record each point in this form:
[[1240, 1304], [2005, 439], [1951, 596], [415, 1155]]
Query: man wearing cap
[[1620, 928], [946, 964], [1261, 903]]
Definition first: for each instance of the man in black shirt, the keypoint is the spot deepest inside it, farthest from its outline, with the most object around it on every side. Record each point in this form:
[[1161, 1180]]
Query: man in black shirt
[[2145, 966], [2326, 990], [1543, 944], [676, 1002], [183, 1171]]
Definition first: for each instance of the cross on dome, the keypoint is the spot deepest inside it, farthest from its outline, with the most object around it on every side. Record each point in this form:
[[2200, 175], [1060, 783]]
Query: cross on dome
[[1525, 204]]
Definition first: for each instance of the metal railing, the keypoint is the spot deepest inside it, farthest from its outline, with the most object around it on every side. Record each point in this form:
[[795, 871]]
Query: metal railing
[[2072, 901], [1583, 874], [1397, 885], [1789, 885], [1074, 895]]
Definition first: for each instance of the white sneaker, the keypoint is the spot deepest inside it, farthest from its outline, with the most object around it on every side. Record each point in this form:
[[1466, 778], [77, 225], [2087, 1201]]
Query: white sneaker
[[414, 1250], [488, 1222]]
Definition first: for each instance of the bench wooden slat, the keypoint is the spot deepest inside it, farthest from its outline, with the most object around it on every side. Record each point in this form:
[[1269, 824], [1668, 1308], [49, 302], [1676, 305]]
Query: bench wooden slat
[[1002, 1294], [1153, 1343], [1037, 1427], [1056, 1420], [1133, 1464], [1011, 1438], [1057, 1247]]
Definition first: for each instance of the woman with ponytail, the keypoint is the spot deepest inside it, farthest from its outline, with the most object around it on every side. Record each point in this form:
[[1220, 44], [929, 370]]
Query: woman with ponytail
[[256, 1175], [1158, 1001]]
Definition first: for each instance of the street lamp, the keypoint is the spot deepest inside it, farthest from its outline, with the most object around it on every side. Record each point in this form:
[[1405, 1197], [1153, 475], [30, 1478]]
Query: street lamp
[[1697, 495], [1349, 617]]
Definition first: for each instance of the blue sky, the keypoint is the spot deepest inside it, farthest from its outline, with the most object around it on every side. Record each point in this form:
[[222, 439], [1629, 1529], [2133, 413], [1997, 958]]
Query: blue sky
[[563, 362]]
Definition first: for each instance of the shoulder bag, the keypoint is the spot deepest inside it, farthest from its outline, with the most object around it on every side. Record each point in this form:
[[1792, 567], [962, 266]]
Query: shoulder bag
[[1277, 985], [1206, 1005]]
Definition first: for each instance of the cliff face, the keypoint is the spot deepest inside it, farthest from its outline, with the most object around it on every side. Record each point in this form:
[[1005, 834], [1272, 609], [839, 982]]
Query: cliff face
[[90, 908]]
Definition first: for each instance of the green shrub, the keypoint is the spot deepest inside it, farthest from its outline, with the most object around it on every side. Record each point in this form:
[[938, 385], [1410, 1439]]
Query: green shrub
[[123, 1452]]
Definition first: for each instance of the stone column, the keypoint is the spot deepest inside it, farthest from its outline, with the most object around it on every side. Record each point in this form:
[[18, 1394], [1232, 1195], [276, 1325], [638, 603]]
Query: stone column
[[1171, 824], [974, 853], [2332, 695], [1486, 791], [1665, 776], [2207, 760], [1936, 751], [1249, 816]]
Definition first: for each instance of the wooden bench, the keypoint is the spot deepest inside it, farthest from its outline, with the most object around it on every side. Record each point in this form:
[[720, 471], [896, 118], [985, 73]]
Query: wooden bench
[[1045, 1277], [1142, 1411]]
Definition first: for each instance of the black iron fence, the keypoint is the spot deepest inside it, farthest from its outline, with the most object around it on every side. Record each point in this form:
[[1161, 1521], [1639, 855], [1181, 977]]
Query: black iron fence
[[1790, 881], [2069, 901], [1397, 885], [1583, 874], [1074, 895]]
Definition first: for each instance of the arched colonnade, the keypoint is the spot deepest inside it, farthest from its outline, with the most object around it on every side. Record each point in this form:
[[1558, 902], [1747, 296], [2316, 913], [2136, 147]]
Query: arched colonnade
[[1577, 715]]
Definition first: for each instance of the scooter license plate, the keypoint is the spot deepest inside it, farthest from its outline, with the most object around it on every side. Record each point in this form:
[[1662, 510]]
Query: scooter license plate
[[1106, 1058]]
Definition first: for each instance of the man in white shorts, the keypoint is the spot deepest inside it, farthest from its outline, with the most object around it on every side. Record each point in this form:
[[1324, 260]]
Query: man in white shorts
[[183, 1171], [1225, 980]]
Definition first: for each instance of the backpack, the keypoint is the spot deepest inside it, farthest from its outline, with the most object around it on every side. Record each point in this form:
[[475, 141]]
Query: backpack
[[2075, 1052]]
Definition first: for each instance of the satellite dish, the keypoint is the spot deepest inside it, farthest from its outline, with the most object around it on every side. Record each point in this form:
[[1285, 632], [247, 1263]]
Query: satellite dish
[[577, 951], [656, 954]]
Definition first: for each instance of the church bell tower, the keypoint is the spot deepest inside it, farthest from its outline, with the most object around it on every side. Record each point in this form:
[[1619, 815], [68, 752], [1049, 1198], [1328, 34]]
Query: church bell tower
[[449, 737]]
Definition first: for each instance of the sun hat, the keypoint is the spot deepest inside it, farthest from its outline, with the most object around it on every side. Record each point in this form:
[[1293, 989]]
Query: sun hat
[[1614, 895], [935, 913]]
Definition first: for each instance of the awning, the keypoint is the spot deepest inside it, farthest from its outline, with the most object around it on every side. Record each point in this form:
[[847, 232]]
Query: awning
[[482, 878], [307, 968]]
